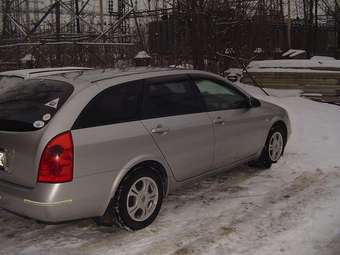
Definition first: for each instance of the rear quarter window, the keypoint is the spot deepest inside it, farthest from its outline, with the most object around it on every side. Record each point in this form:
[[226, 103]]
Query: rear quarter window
[[29, 105], [7, 82], [117, 104]]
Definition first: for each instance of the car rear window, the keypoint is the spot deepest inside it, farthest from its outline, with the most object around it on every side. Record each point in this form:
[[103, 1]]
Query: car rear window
[[7, 82], [29, 105]]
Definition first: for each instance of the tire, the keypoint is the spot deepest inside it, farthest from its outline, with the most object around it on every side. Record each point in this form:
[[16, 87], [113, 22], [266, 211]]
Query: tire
[[271, 153], [130, 195]]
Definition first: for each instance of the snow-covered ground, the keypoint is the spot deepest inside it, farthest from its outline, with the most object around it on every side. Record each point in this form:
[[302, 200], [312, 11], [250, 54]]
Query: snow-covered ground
[[292, 208]]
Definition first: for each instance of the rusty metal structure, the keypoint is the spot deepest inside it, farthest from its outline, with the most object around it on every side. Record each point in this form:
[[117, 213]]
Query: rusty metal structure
[[107, 33], [72, 32]]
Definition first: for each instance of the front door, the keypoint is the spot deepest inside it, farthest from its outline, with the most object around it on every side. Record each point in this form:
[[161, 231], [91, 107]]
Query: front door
[[173, 115], [238, 128]]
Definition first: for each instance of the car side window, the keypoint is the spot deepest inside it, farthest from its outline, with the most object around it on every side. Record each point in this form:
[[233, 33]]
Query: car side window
[[116, 104], [168, 98], [219, 96]]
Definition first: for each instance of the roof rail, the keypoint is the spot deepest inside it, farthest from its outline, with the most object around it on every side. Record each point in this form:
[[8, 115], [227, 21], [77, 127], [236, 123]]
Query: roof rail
[[127, 73]]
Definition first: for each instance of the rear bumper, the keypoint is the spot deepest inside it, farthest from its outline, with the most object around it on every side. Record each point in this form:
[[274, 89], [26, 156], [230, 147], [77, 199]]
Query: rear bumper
[[83, 198], [43, 211]]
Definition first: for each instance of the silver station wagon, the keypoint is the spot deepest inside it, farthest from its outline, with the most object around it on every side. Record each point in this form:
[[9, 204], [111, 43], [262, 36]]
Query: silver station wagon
[[111, 144]]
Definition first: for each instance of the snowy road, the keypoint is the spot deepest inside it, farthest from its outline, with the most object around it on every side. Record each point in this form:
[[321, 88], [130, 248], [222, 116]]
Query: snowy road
[[292, 208]]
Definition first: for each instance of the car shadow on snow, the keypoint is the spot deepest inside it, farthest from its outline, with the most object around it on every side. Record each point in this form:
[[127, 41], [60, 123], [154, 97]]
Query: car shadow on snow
[[82, 236]]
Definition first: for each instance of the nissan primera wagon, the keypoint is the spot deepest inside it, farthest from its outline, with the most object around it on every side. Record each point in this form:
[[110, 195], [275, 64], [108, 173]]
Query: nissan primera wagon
[[111, 144]]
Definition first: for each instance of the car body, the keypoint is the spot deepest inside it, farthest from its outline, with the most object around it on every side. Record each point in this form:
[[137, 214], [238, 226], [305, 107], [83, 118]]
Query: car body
[[113, 122]]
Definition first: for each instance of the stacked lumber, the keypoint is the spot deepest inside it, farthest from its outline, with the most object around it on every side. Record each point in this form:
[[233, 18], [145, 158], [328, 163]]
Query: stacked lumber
[[324, 85]]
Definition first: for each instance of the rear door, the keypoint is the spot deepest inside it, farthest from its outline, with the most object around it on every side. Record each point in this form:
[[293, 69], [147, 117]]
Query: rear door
[[173, 114], [108, 132], [26, 107], [238, 128]]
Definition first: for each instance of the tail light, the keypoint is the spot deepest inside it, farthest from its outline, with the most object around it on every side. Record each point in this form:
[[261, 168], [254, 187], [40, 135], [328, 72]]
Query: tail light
[[56, 163]]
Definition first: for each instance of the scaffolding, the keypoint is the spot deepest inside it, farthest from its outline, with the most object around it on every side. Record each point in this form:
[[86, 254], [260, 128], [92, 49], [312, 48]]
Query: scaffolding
[[70, 31], [106, 32]]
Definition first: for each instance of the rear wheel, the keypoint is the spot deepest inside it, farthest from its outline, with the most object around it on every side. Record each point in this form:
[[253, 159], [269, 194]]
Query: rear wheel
[[137, 201], [273, 148]]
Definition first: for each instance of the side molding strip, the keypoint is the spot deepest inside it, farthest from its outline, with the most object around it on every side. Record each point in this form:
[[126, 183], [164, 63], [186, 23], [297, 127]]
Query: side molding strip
[[27, 201]]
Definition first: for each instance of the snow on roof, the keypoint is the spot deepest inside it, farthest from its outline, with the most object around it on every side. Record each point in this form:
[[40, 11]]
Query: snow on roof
[[322, 58], [28, 57], [293, 53], [288, 70], [331, 65], [182, 66], [233, 71], [142, 54], [258, 50]]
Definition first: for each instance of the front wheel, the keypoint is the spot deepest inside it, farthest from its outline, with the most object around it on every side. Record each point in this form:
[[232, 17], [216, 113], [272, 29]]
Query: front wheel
[[137, 201], [273, 148]]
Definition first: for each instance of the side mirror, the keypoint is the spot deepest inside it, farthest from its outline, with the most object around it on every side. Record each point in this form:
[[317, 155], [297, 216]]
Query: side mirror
[[254, 102]]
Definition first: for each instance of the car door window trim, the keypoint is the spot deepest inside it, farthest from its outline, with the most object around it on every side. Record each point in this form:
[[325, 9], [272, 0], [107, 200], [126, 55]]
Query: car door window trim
[[219, 82], [170, 78]]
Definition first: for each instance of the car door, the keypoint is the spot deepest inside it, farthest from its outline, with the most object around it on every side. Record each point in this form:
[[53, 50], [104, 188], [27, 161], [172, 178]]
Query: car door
[[108, 132], [238, 127], [173, 114]]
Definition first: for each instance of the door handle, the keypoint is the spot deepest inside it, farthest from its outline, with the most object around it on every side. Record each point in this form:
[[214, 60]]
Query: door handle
[[219, 121], [160, 130]]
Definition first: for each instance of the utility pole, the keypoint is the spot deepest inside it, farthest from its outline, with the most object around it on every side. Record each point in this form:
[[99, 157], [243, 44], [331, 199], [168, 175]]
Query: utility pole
[[101, 13], [289, 26], [36, 10], [77, 16], [57, 20], [174, 18], [27, 12], [310, 29], [142, 44], [337, 28], [196, 41], [5, 20], [52, 12], [316, 6]]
